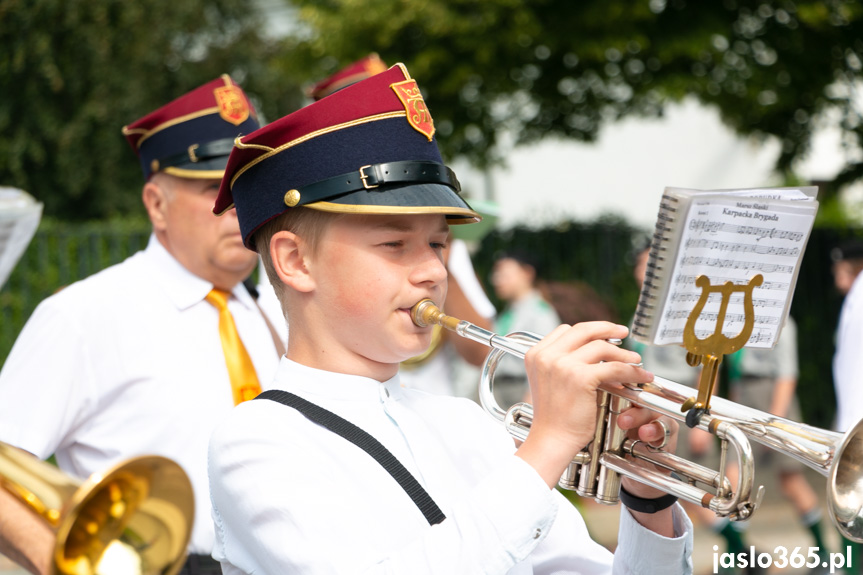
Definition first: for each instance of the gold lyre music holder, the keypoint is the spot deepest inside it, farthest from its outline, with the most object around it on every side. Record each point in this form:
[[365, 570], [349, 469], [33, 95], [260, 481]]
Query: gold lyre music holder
[[709, 351]]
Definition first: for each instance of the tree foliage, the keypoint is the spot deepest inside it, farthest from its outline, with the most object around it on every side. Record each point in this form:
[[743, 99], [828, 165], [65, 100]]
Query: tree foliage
[[74, 72], [526, 69], [495, 73]]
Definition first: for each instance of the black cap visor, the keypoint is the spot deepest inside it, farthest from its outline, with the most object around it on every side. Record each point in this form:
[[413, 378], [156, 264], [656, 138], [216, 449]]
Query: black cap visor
[[403, 199]]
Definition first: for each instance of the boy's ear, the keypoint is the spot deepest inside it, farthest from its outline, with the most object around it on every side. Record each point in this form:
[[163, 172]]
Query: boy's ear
[[288, 252]]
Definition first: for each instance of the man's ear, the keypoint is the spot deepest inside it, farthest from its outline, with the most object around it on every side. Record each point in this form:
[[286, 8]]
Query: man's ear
[[156, 202], [288, 252]]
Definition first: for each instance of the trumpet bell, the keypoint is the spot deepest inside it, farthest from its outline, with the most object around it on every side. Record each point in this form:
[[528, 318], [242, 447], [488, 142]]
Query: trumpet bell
[[845, 484], [133, 519]]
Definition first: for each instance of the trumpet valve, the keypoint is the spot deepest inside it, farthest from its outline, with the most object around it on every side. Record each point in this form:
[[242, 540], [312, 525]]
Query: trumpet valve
[[570, 478]]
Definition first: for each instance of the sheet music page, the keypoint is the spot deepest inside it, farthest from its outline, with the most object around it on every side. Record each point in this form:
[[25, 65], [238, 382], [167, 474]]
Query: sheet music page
[[19, 218], [733, 239]]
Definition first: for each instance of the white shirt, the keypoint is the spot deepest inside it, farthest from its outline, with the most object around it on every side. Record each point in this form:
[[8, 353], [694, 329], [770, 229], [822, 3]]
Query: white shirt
[[292, 497], [129, 362], [848, 359]]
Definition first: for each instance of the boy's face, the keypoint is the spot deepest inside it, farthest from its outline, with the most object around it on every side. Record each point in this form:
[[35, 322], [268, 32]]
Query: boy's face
[[368, 272]]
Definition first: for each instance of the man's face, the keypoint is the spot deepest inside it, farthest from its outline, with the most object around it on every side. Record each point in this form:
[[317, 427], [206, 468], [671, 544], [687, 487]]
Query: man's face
[[209, 246], [368, 272]]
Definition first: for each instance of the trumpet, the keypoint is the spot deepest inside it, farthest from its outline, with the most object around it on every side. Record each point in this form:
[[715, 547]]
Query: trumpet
[[132, 519], [597, 470]]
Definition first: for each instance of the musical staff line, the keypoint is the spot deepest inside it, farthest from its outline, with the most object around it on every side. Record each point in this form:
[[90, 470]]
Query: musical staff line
[[715, 227], [733, 247], [687, 280], [725, 263]]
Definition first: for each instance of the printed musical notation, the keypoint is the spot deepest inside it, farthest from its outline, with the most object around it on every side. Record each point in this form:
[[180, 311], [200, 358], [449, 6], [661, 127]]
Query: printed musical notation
[[735, 300], [758, 336], [721, 263], [712, 227], [734, 247], [727, 238], [687, 280], [730, 318]]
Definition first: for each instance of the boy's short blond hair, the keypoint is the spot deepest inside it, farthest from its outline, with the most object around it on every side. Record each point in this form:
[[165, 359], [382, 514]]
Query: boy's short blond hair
[[307, 223]]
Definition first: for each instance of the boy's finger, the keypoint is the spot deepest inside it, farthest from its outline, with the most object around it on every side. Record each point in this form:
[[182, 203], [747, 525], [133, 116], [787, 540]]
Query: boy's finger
[[583, 333]]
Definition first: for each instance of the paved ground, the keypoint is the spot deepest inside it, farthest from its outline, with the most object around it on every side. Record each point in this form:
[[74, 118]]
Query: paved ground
[[774, 524]]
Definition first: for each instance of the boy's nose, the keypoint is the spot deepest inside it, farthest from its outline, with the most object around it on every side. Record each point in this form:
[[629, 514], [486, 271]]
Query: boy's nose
[[431, 269]]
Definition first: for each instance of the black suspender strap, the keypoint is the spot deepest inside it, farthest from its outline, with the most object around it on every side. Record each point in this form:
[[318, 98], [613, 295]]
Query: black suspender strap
[[367, 443]]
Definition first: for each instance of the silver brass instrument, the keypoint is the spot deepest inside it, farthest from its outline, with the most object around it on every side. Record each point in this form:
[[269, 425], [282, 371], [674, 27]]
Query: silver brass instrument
[[134, 519], [596, 471]]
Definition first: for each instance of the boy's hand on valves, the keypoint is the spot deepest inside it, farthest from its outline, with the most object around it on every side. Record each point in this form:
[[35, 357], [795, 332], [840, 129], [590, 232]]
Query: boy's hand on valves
[[564, 370], [658, 432]]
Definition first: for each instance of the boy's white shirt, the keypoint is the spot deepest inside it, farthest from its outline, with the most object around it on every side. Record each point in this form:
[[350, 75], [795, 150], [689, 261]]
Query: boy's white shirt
[[291, 497]]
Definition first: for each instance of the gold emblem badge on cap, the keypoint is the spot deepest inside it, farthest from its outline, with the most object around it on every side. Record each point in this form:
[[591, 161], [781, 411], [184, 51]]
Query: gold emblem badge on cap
[[232, 104], [417, 114]]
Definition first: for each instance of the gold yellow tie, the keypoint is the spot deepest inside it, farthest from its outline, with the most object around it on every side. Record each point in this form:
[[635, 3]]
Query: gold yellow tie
[[241, 370]]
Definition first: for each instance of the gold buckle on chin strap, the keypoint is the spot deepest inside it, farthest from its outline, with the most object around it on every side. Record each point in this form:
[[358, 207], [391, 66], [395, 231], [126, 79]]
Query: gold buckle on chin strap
[[364, 177]]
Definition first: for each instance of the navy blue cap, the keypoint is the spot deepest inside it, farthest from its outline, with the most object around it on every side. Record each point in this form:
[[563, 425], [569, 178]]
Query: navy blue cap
[[192, 136], [368, 148]]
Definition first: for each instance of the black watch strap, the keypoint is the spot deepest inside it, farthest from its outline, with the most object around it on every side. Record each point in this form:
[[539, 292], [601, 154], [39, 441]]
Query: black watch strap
[[646, 505]]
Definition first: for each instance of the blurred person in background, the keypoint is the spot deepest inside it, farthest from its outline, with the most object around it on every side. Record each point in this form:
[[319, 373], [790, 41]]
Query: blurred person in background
[[848, 357], [145, 357], [515, 279], [847, 260]]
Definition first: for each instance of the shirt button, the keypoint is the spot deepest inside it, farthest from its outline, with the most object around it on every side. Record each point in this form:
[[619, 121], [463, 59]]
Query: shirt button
[[537, 533], [384, 393]]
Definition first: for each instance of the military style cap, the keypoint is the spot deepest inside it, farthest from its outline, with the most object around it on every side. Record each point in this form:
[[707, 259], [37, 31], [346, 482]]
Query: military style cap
[[192, 136], [359, 70], [366, 149]]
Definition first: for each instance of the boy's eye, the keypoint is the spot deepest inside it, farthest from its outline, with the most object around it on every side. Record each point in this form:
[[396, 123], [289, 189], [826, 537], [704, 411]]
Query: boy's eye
[[438, 245]]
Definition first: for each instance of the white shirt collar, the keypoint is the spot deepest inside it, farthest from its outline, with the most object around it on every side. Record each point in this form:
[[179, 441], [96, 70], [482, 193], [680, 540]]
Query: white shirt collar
[[184, 288], [310, 383]]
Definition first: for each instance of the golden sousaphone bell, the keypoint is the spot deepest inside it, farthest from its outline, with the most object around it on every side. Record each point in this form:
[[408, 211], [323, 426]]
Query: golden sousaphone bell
[[133, 519]]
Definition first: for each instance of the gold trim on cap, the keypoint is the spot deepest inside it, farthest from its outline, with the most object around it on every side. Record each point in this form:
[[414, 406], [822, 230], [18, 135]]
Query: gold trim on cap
[[239, 143], [179, 120], [470, 216], [195, 174], [154, 166], [292, 198]]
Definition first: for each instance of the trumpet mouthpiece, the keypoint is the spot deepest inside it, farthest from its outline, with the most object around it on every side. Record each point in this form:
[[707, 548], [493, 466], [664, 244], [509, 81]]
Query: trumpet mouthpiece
[[424, 312]]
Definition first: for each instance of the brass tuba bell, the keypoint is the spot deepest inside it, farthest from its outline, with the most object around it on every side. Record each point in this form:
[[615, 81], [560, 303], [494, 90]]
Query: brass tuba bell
[[133, 519]]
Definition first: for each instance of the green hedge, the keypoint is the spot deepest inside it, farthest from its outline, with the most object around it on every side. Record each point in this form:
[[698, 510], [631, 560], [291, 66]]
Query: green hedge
[[59, 254]]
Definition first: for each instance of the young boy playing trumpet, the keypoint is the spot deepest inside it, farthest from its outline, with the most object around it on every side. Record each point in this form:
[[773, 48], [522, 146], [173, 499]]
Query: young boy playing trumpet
[[348, 202]]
